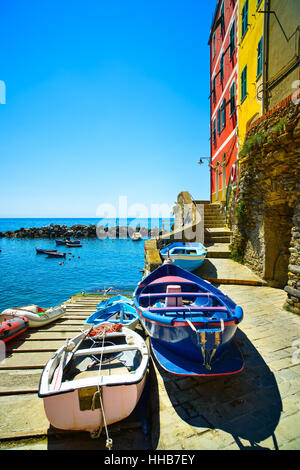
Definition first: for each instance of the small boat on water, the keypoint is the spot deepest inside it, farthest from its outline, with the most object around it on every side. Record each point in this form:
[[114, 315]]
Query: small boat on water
[[118, 312], [95, 379], [137, 236], [55, 254], [74, 245], [188, 256], [40, 251], [11, 328], [61, 242], [190, 322], [35, 315]]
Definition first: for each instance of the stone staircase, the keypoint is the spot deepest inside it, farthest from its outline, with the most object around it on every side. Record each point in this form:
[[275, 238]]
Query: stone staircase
[[216, 236]]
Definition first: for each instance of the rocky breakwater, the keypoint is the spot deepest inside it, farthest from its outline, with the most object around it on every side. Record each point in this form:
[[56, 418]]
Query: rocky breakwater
[[79, 231]]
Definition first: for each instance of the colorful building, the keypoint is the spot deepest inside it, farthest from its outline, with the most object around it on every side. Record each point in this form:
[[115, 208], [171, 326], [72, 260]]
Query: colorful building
[[282, 61], [250, 64], [223, 96]]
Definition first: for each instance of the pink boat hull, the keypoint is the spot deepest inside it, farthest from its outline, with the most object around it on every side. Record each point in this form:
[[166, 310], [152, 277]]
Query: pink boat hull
[[63, 410]]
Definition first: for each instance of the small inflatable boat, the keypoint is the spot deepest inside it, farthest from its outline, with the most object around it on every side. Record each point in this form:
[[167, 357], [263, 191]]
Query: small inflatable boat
[[36, 316], [9, 329]]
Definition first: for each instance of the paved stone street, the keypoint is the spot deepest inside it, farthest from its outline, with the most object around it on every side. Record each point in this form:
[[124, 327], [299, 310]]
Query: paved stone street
[[258, 408]]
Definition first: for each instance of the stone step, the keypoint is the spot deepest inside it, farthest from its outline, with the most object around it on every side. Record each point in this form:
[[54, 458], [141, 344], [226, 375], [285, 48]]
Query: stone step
[[218, 250], [211, 239], [213, 224]]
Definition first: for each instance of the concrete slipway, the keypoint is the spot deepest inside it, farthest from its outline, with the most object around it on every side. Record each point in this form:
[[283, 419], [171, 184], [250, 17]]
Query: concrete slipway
[[259, 408]]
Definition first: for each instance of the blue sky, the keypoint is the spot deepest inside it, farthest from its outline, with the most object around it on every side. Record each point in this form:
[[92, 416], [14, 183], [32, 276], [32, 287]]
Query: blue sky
[[103, 99]]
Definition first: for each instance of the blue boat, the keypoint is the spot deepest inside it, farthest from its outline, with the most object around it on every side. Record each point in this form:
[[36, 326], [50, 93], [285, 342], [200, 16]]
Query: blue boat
[[191, 323], [61, 242], [112, 300], [118, 312], [187, 256]]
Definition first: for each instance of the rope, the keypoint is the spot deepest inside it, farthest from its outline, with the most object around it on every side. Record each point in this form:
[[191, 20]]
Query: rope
[[96, 434]]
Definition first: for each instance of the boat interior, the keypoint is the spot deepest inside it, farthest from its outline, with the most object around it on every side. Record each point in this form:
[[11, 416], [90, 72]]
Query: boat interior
[[116, 362], [167, 298]]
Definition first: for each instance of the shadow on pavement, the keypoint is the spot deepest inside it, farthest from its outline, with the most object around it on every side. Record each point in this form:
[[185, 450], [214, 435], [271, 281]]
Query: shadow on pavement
[[247, 405]]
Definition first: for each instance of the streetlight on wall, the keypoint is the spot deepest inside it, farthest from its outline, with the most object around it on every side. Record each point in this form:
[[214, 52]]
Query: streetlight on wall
[[204, 158]]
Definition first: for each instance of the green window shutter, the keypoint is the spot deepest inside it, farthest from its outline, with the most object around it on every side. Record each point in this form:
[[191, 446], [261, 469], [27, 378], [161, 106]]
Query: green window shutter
[[214, 88], [244, 84], [222, 68], [214, 131], [223, 113], [232, 39], [244, 18], [232, 98], [259, 58], [219, 121]]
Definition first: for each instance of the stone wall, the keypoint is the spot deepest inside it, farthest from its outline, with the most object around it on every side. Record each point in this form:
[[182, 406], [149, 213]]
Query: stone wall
[[265, 214]]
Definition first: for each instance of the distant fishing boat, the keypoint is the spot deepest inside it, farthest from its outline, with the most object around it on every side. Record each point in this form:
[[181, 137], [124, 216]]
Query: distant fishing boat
[[55, 254], [95, 379], [136, 237], [61, 242], [35, 315], [187, 256], [74, 245], [190, 322], [43, 251], [118, 312]]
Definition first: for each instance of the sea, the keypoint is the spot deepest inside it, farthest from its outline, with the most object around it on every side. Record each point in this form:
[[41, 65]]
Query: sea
[[27, 278]]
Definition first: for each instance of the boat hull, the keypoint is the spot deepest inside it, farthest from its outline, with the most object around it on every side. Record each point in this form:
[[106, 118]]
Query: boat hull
[[189, 321], [31, 313], [180, 339], [9, 329], [64, 411], [187, 262]]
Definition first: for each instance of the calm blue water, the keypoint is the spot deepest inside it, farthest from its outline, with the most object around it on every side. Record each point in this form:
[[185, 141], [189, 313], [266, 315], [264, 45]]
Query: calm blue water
[[27, 278]]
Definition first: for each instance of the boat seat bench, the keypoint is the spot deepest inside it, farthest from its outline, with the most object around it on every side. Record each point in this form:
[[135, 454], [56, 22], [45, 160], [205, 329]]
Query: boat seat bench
[[177, 294], [105, 350]]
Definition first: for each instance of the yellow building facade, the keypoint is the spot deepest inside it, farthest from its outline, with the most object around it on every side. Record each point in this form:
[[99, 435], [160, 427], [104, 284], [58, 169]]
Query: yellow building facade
[[250, 64]]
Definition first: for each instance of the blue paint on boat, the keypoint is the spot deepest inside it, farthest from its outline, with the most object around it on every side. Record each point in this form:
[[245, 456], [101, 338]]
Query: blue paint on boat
[[189, 322], [188, 256], [118, 312], [112, 300]]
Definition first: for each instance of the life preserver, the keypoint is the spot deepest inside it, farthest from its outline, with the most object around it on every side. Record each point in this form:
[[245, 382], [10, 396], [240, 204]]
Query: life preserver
[[233, 173]]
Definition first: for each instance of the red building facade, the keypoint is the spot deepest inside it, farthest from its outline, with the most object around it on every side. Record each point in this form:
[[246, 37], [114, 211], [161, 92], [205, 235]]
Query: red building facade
[[223, 44]]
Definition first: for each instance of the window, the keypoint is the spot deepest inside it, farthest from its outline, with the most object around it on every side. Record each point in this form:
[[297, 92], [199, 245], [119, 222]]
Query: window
[[244, 84], [214, 45], [222, 68], [214, 131], [232, 99], [219, 121], [222, 24], [244, 18], [223, 113], [214, 88], [259, 58], [232, 39]]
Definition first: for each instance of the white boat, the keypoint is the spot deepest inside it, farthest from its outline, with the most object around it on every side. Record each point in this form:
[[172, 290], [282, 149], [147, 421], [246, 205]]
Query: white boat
[[137, 236], [95, 379], [36, 316]]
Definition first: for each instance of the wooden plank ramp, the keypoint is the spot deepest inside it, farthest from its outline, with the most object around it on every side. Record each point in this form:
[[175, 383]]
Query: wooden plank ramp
[[21, 411]]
